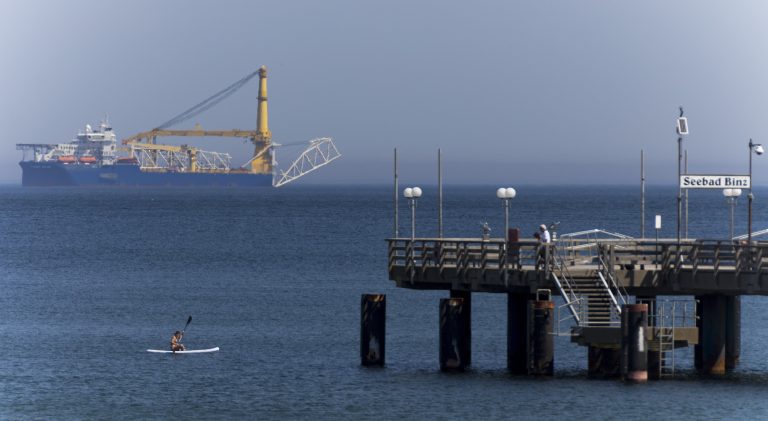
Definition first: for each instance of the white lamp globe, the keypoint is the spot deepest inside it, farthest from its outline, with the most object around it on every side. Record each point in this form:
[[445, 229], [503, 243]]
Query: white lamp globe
[[736, 192], [501, 193], [408, 192], [416, 192], [510, 193]]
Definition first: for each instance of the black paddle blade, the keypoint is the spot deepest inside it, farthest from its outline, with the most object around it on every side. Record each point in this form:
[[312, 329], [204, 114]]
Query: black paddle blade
[[189, 320]]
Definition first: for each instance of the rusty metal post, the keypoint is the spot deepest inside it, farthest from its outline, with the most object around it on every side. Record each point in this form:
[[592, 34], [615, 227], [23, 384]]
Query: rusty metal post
[[452, 346], [373, 311], [466, 314], [654, 355], [634, 350], [541, 349]]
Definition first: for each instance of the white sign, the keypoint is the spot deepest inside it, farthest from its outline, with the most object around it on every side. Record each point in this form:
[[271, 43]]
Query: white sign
[[658, 222], [691, 181]]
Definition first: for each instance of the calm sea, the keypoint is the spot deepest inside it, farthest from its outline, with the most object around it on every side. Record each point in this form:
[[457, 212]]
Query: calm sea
[[90, 279]]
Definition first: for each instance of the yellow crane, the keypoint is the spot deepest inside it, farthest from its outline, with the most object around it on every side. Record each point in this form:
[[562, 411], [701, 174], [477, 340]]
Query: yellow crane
[[261, 161]]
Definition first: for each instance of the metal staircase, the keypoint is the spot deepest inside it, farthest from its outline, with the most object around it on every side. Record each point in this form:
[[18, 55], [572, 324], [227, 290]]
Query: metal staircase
[[594, 301]]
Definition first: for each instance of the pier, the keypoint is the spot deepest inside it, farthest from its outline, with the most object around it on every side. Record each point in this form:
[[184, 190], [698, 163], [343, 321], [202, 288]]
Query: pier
[[612, 292]]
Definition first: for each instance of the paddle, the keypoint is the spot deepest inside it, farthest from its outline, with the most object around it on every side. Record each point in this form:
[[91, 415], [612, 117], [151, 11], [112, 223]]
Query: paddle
[[189, 320]]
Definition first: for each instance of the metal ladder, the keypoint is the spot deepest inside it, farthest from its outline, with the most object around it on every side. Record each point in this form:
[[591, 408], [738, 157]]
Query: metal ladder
[[665, 336]]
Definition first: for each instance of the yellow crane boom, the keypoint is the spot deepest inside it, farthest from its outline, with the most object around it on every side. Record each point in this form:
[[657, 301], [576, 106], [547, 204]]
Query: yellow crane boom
[[261, 161]]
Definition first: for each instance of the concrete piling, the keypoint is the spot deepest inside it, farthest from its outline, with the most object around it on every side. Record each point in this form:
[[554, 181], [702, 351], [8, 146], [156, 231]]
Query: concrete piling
[[453, 341], [373, 311], [634, 352]]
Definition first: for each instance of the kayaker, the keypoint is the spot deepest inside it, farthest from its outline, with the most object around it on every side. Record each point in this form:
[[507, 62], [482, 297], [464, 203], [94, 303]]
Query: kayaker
[[176, 344]]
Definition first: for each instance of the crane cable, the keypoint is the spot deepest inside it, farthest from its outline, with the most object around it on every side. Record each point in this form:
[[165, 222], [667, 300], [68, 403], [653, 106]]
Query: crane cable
[[208, 103]]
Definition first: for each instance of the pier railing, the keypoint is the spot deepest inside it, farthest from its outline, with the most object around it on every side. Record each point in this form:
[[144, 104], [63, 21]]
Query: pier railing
[[461, 255]]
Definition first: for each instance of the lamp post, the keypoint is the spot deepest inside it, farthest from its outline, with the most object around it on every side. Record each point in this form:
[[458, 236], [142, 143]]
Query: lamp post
[[412, 194], [730, 196], [506, 194], [758, 149]]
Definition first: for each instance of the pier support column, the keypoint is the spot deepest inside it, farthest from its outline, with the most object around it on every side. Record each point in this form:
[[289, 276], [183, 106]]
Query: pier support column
[[712, 334], [634, 352], [654, 355], [697, 347], [467, 322], [373, 311], [732, 331], [517, 332], [452, 335], [603, 363], [541, 349]]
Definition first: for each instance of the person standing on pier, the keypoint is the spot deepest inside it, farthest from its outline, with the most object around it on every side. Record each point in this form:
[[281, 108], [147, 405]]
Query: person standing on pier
[[544, 239]]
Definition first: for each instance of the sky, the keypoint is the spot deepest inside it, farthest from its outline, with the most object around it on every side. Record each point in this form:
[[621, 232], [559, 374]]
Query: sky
[[512, 92]]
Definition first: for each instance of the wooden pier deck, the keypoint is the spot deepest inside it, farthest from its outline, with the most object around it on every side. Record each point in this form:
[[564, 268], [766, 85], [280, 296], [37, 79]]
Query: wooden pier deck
[[640, 266]]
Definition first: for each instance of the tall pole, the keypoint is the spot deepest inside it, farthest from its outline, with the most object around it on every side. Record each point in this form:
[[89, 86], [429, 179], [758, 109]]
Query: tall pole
[[413, 220], [506, 219], [679, 189], [686, 195], [680, 132], [642, 194], [397, 229], [749, 200], [439, 193]]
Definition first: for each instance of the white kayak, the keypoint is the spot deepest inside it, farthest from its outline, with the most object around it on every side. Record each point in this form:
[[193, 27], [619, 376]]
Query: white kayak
[[189, 351]]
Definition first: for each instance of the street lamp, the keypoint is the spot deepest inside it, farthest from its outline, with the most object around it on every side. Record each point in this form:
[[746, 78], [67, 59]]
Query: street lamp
[[731, 195], [506, 194], [758, 149], [412, 194]]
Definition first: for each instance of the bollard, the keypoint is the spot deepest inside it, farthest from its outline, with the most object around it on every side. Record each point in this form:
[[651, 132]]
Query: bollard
[[541, 350], [452, 335], [732, 331], [373, 310], [634, 351]]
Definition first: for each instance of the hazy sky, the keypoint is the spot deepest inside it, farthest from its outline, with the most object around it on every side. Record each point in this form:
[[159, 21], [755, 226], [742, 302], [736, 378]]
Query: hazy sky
[[513, 92]]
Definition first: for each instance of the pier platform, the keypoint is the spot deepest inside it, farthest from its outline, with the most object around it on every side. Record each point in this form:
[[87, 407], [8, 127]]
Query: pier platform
[[613, 297]]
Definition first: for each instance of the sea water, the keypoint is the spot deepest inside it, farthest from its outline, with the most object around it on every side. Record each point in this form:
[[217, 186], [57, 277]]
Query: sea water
[[91, 278]]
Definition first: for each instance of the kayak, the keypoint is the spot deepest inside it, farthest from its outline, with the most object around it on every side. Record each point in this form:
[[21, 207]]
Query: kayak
[[189, 351]]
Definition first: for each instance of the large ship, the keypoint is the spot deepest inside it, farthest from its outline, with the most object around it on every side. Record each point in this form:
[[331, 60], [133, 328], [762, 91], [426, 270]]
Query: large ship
[[94, 158]]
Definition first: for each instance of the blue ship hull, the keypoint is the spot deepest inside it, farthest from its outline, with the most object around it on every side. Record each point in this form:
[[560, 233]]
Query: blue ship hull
[[57, 174]]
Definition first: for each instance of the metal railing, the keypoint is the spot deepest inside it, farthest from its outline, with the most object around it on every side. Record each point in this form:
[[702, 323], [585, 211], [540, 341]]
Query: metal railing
[[464, 254]]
